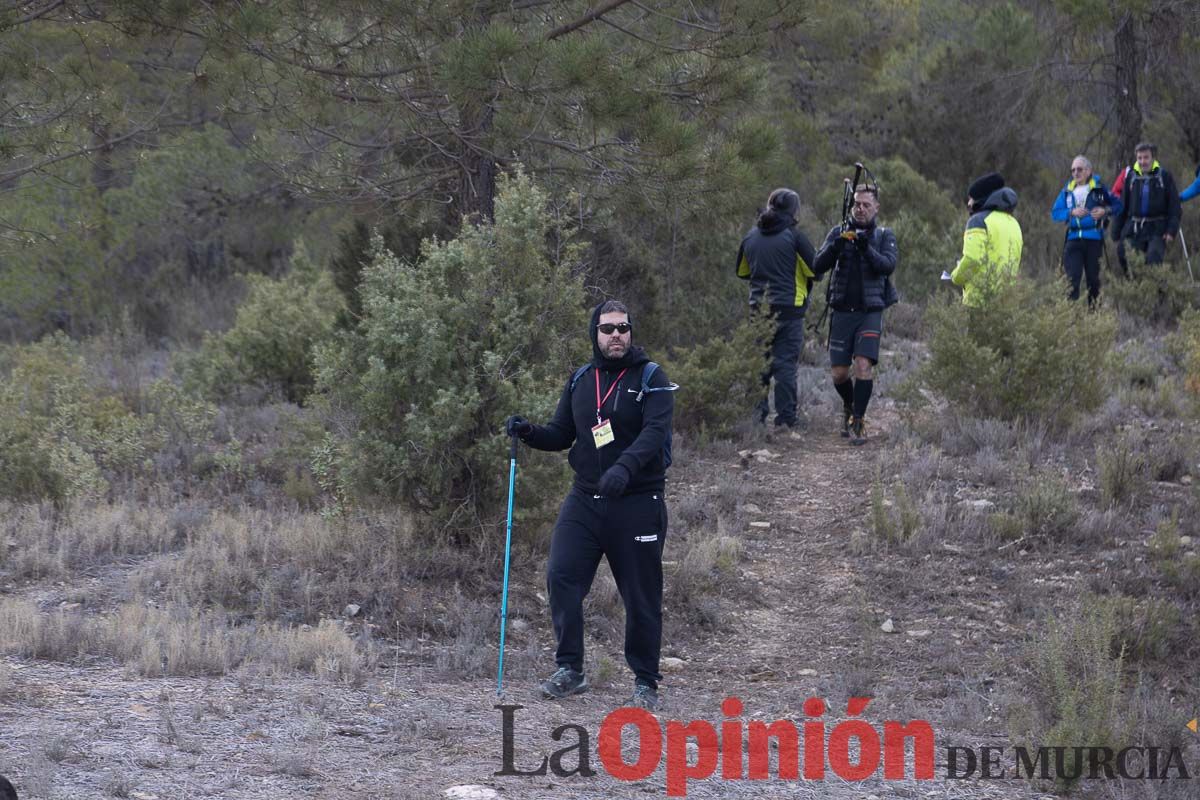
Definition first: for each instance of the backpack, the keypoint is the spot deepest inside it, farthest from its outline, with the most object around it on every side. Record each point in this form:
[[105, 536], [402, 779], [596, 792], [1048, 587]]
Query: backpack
[[647, 372]]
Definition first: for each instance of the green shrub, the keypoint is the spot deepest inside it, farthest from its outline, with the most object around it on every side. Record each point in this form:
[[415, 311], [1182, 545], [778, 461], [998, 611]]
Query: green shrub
[[721, 379], [894, 523], [1047, 508], [1009, 359], [484, 326], [1075, 695], [1185, 344], [1147, 629], [65, 435], [270, 343], [1157, 293]]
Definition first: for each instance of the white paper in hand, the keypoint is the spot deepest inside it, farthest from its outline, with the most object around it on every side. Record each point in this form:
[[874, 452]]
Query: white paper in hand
[[945, 275]]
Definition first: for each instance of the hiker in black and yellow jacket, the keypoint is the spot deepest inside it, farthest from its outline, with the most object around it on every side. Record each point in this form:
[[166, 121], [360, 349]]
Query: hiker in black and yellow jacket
[[777, 260], [992, 241], [1150, 218]]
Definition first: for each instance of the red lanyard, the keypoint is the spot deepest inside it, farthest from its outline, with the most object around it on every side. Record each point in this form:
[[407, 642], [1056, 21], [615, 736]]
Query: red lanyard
[[600, 402]]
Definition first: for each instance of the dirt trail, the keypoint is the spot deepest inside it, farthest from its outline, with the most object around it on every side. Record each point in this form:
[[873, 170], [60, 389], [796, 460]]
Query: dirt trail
[[806, 624]]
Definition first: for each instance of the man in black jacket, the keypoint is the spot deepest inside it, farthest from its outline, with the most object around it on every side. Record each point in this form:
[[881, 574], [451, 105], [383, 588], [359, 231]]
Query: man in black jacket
[[618, 431], [1149, 218], [777, 260], [862, 257]]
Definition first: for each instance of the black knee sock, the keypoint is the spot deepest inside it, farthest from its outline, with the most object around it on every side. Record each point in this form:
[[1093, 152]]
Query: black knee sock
[[846, 390], [862, 396]]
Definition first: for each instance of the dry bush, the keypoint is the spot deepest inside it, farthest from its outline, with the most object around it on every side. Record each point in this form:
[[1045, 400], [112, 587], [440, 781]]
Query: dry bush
[[49, 542], [179, 641], [469, 626], [906, 320], [299, 566], [1122, 471], [705, 570]]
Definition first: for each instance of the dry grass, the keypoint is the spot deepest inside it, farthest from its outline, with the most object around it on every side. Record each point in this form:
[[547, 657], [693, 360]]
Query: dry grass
[[179, 641]]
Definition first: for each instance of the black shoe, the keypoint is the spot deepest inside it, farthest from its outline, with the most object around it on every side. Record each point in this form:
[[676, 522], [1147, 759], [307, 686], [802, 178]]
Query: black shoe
[[644, 696], [858, 431], [847, 415], [564, 683]]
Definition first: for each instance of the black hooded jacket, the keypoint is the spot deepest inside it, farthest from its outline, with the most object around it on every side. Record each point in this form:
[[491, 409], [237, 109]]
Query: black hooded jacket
[[639, 429], [777, 260], [860, 277]]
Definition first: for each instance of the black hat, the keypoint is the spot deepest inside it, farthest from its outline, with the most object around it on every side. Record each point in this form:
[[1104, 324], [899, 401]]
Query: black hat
[[785, 201], [983, 186]]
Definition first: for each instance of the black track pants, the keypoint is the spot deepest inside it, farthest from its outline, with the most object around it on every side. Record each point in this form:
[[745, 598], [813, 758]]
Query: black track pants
[[1082, 257], [629, 531]]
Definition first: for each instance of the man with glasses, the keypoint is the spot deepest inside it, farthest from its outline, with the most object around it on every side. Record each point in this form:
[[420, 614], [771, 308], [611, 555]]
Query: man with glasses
[[1085, 205], [615, 415], [1149, 219], [862, 258], [777, 260]]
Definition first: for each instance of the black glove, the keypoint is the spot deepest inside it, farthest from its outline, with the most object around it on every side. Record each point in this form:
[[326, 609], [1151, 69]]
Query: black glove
[[862, 242], [613, 481], [518, 426]]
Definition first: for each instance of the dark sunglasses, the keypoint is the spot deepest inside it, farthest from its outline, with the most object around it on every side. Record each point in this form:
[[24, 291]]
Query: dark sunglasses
[[608, 328]]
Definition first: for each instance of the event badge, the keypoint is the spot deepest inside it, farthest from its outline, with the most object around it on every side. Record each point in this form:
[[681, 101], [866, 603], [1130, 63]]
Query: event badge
[[603, 433]]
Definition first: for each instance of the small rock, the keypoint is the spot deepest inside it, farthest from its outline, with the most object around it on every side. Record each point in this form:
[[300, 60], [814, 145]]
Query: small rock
[[1185, 540], [470, 791], [750, 508], [919, 633], [760, 524], [672, 664], [1186, 480], [519, 625], [764, 453], [807, 673], [541, 598], [352, 610], [888, 626]]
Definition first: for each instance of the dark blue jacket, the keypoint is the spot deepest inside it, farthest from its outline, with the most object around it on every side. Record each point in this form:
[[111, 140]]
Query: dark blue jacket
[[873, 265], [777, 260], [1085, 227]]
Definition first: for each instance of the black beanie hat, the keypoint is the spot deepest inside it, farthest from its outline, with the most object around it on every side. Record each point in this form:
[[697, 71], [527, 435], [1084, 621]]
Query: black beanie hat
[[785, 201], [982, 187]]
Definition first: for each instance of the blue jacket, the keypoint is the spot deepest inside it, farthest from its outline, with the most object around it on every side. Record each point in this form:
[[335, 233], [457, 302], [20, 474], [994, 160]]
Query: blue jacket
[[1085, 227], [1193, 190]]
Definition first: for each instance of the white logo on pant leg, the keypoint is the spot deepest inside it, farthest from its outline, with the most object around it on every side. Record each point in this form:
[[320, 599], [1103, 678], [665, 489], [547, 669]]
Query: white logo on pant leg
[[650, 538]]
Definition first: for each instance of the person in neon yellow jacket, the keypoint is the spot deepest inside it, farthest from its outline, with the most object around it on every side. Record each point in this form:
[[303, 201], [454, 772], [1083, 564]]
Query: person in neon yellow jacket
[[991, 242]]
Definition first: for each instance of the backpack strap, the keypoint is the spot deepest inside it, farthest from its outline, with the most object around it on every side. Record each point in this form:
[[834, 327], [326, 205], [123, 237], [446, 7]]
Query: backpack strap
[[579, 373], [647, 373]]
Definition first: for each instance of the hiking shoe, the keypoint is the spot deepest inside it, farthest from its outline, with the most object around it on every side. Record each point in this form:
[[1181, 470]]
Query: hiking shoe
[[564, 683], [644, 696], [858, 431], [847, 415]]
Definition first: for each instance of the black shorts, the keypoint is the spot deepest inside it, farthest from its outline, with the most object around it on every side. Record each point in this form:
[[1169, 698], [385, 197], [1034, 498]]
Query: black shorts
[[854, 333]]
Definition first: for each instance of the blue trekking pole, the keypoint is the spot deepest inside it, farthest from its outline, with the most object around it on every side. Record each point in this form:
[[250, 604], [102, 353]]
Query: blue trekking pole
[[512, 479]]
